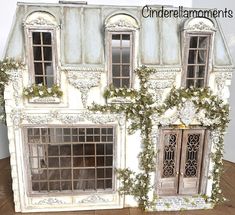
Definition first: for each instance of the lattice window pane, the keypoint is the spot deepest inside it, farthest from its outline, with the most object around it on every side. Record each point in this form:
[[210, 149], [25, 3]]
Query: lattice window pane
[[121, 48], [192, 150], [60, 163], [43, 58], [197, 62], [169, 157]]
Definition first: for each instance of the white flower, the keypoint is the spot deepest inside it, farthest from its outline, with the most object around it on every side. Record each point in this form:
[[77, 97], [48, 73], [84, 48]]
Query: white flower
[[40, 85], [40, 92], [49, 90], [26, 93], [183, 99], [30, 90]]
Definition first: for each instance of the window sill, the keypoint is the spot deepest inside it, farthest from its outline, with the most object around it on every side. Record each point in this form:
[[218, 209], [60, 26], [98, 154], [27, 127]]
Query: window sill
[[44, 100]]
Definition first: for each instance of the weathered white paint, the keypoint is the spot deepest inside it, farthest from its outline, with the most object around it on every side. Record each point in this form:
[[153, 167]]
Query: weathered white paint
[[86, 67]]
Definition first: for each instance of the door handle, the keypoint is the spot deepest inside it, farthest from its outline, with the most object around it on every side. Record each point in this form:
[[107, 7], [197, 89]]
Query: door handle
[[181, 173], [177, 173]]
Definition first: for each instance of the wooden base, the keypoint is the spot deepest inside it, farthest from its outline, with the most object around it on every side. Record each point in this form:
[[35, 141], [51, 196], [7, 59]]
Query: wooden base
[[227, 185]]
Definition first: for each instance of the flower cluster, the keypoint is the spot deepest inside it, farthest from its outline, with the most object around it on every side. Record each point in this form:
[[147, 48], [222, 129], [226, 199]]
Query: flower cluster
[[41, 91], [140, 112]]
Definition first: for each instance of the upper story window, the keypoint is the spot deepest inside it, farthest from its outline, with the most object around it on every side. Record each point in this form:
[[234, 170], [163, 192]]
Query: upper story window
[[121, 60], [43, 64], [198, 35], [197, 64], [121, 31], [41, 29]]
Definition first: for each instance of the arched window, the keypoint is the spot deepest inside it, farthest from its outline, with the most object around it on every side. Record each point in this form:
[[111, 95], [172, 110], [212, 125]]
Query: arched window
[[121, 34], [198, 36], [40, 28]]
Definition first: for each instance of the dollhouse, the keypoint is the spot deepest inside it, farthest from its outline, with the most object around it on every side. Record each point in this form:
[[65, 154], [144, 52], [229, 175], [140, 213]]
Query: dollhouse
[[154, 139]]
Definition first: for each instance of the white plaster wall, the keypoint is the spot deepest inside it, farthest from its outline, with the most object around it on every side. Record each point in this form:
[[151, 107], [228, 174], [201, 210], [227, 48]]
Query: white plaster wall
[[229, 33]]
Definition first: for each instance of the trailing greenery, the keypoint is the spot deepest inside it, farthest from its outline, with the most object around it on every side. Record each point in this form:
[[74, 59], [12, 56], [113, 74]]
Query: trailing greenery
[[139, 112], [41, 91], [6, 66]]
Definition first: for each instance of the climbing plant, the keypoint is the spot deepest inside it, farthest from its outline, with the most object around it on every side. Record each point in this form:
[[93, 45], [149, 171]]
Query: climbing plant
[[139, 112], [6, 66]]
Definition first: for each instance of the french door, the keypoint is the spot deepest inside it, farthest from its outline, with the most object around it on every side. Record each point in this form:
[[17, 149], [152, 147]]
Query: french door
[[180, 161]]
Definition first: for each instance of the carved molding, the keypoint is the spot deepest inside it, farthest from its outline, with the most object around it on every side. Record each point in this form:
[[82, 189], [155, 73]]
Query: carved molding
[[82, 69], [220, 79], [18, 117], [50, 201], [44, 100], [222, 69], [94, 199], [121, 24], [160, 84], [15, 77], [187, 112], [67, 118], [200, 26], [178, 203], [84, 81], [165, 72]]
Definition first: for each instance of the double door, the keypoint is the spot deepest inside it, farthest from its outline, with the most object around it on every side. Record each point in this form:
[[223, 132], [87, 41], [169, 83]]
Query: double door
[[180, 161]]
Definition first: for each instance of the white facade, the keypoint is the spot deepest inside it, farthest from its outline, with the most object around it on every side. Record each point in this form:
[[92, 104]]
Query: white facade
[[81, 67]]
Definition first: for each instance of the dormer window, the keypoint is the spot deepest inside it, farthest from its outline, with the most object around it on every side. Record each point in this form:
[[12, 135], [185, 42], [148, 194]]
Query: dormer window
[[41, 29], [121, 60], [198, 34], [121, 34], [197, 63], [43, 64]]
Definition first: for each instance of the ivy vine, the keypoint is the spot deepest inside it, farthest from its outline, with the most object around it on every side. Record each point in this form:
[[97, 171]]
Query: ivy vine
[[6, 66], [139, 112], [41, 91]]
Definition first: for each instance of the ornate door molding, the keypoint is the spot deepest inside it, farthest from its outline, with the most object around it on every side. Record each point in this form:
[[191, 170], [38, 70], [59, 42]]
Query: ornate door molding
[[180, 161]]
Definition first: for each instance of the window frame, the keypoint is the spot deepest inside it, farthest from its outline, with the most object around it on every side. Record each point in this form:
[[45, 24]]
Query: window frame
[[186, 49], [132, 46], [54, 60], [32, 193]]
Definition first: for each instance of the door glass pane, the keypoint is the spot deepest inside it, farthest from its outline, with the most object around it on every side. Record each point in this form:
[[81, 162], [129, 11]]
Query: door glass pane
[[169, 155], [192, 149]]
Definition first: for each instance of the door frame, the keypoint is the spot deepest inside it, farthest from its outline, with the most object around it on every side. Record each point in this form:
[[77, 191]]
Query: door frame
[[206, 152]]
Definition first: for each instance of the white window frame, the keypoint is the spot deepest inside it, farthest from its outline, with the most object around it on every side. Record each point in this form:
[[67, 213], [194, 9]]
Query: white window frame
[[131, 56], [120, 23], [41, 22], [197, 27]]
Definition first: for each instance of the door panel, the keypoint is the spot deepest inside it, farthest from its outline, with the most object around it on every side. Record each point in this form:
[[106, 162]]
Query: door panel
[[170, 144], [191, 161]]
